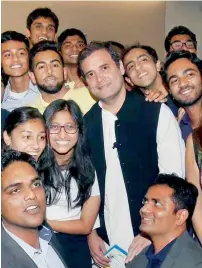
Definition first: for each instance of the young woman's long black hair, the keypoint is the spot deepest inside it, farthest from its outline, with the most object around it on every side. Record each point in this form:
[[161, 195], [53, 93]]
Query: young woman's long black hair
[[80, 167]]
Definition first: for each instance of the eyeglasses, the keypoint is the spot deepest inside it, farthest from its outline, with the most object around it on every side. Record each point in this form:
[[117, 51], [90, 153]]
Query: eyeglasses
[[176, 45], [69, 128]]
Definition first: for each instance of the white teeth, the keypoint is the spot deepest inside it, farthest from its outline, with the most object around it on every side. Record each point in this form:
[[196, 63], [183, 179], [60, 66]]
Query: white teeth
[[186, 92], [74, 56], [16, 66], [146, 219], [142, 74], [31, 207], [43, 38], [62, 142]]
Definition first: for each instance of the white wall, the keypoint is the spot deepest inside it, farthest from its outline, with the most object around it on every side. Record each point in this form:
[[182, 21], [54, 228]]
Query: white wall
[[124, 21], [187, 13]]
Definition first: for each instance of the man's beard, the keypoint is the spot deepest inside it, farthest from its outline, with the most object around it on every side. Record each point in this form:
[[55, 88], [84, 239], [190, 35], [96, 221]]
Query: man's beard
[[51, 89], [190, 102]]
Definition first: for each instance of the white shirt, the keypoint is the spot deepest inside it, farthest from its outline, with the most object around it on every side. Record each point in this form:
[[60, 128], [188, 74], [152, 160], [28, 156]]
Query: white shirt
[[13, 100], [60, 211], [45, 257], [171, 157]]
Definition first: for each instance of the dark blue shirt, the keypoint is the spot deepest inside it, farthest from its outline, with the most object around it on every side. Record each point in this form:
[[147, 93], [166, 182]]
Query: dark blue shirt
[[155, 261], [173, 105], [185, 123], [185, 126]]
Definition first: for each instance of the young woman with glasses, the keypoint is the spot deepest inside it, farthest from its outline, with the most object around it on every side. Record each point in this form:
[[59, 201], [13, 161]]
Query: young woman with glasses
[[72, 191]]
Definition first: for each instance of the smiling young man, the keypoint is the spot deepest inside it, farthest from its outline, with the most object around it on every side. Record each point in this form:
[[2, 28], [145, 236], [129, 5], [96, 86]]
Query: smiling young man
[[42, 24], [27, 241], [48, 73], [142, 68], [15, 64], [71, 42], [129, 141], [184, 77], [167, 208]]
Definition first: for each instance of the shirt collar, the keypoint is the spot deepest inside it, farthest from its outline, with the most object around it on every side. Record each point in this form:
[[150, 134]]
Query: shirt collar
[[161, 255], [8, 89], [45, 235], [185, 119], [70, 84]]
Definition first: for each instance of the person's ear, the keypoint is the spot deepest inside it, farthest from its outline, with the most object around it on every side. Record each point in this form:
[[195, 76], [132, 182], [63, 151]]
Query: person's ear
[[158, 65], [181, 216], [32, 77], [27, 33], [129, 81], [6, 138], [56, 38], [65, 73], [121, 67]]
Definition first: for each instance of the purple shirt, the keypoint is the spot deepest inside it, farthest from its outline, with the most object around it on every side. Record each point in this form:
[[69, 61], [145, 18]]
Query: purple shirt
[[185, 126]]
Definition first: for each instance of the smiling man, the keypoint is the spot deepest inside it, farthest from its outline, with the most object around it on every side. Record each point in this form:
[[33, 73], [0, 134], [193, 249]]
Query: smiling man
[[167, 207], [129, 141], [184, 77], [15, 64], [142, 68], [48, 73], [71, 42], [27, 241], [42, 24]]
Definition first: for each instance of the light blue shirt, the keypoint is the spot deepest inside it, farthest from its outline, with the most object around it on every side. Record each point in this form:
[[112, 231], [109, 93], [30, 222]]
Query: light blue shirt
[[45, 257], [13, 100]]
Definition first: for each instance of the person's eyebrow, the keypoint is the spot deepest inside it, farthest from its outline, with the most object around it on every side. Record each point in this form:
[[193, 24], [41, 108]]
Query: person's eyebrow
[[12, 185], [20, 183], [182, 40], [189, 70], [28, 131], [5, 51], [184, 72], [156, 199], [138, 57], [44, 62], [88, 73], [131, 61], [172, 76]]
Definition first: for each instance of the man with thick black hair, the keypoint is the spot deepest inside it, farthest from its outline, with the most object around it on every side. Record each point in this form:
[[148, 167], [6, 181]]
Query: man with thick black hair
[[167, 208], [183, 72], [27, 241], [42, 24], [180, 38]]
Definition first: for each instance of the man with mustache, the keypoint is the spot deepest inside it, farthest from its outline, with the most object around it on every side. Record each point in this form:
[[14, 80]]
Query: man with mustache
[[184, 77], [167, 208], [27, 241], [42, 24], [48, 72]]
